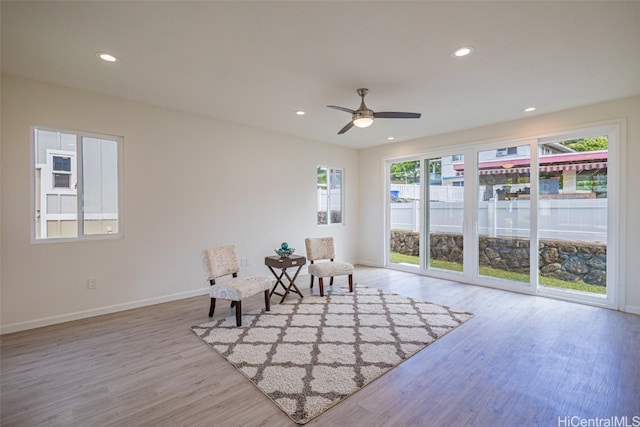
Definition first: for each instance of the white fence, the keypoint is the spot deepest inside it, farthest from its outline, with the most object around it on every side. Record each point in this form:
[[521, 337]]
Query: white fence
[[336, 199], [566, 219], [443, 193], [405, 216]]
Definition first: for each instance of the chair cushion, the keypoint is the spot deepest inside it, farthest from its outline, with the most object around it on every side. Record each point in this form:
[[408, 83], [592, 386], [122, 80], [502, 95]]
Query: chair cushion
[[239, 288], [330, 269]]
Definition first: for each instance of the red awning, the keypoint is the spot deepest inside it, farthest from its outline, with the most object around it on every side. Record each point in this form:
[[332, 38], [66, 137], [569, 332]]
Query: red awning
[[503, 171], [584, 158], [573, 167], [543, 168]]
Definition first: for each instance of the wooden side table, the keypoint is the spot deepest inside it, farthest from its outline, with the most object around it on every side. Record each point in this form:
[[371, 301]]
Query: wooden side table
[[275, 262]]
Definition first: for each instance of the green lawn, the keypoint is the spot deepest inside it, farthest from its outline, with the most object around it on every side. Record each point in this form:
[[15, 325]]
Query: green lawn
[[501, 274], [398, 258]]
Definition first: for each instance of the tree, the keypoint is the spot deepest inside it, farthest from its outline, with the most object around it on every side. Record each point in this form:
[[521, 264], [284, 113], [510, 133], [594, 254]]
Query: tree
[[405, 172], [587, 144]]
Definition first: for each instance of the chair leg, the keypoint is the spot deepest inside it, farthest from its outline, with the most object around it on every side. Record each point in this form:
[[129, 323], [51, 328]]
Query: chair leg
[[212, 307], [321, 286], [311, 282], [331, 281], [267, 300], [238, 313], [351, 283]]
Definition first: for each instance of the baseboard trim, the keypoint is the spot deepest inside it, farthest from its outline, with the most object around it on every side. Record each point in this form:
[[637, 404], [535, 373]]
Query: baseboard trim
[[368, 264], [54, 320], [632, 309]]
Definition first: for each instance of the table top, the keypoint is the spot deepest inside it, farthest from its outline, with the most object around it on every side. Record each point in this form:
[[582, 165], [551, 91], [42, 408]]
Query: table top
[[290, 261]]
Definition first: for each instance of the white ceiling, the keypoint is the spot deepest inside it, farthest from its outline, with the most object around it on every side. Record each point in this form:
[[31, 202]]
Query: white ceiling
[[256, 63]]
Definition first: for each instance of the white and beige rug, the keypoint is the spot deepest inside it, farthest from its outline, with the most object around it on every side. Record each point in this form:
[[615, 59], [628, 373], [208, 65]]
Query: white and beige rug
[[308, 354]]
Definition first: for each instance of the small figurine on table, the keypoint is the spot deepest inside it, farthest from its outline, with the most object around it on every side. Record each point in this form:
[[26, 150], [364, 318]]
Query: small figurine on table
[[284, 251]]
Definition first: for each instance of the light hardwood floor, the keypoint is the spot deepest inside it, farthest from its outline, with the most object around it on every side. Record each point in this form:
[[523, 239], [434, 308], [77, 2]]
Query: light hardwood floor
[[521, 361]]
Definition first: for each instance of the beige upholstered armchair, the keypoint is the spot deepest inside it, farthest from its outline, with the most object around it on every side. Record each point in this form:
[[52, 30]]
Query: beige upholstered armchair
[[223, 261], [322, 249]]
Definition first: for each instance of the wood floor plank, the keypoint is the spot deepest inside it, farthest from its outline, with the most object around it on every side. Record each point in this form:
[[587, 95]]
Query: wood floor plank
[[522, 360]]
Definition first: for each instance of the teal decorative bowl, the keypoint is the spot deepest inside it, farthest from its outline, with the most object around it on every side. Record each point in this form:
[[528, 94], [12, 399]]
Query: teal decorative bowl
[[285, 252]]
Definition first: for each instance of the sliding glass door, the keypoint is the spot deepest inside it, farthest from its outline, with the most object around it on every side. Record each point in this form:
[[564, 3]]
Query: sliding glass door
[[405, 194], [572, 214], [445, 213], [427, 213], [504, 213], [535, 215]]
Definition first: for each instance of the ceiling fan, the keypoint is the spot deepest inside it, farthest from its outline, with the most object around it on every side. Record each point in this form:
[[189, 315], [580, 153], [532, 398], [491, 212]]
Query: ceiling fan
[[363, 116]]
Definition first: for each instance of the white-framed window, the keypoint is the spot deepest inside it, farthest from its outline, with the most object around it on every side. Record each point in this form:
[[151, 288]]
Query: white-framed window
[[76, 187], [329, 195]]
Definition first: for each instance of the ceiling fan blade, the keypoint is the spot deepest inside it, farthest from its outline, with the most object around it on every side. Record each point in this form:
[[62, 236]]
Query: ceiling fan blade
[[346, 128], [346, 110], [396, 115]]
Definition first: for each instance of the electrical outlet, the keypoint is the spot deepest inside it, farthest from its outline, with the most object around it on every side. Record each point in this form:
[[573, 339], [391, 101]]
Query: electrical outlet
[[244, 262], [92, 283]]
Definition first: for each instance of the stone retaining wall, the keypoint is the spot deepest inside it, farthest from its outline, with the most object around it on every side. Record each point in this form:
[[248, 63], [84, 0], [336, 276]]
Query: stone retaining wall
[[565, 260], [336, 217]]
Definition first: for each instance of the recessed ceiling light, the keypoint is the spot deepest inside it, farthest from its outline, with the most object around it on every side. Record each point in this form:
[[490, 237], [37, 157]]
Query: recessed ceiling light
[[529, 109], [300, 113], [106, 57], [462, 51], [390, 138]]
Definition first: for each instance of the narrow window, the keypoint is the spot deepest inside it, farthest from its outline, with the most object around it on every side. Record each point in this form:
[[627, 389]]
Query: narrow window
[[76, 184], [329, 195], [506, 151], [61, 171]]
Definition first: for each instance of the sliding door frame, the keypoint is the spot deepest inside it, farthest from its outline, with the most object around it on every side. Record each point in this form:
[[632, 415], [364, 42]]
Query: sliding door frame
[[615, 297], [419, 269], [615, 207]]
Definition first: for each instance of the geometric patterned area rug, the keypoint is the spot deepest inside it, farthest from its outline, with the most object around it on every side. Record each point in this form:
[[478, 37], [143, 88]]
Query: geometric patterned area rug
[[308, 354]]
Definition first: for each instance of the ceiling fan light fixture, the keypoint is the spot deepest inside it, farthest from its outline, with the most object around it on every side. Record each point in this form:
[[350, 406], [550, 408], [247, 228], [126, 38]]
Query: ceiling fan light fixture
[[363, 118], [363, 122]]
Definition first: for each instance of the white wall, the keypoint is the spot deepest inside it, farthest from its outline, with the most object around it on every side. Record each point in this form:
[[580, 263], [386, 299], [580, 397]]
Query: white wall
[[182, 193], [189, 182], [371, 236]]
